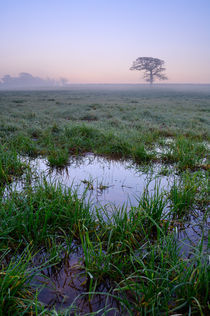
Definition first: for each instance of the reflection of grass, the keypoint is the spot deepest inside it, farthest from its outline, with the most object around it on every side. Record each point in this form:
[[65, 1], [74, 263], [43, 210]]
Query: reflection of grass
[[89, 184], [102, 187], [98, 186], [135, 251]]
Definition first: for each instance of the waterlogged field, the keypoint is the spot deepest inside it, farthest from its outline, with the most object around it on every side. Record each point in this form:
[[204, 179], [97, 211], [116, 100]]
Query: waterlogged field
[[104, 201]]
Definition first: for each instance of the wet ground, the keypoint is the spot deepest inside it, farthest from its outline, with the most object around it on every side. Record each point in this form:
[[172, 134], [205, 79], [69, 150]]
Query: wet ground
[[108, 183], [66, 284]]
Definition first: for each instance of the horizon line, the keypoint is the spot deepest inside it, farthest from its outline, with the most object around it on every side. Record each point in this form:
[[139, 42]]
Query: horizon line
[[124, 83]]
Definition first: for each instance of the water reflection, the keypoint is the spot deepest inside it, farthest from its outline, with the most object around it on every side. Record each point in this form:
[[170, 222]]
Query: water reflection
[[106, 181], [66, 285], [115, 184]]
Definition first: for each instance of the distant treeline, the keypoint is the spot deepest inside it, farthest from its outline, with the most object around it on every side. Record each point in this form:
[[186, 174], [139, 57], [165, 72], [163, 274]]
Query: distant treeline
[[26, 81]]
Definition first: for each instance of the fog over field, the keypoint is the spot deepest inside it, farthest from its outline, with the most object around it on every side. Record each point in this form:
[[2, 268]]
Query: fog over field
[[26, 81]]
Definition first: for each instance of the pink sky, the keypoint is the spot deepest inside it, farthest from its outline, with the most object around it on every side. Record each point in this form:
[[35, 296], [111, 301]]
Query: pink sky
[[97, 41]]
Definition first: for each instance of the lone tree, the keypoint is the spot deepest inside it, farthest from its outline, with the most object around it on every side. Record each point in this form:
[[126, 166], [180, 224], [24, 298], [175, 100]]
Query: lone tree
[[153, 68]]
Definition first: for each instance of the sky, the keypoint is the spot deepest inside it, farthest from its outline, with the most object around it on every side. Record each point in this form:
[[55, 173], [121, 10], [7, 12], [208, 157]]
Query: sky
[[96, 41]]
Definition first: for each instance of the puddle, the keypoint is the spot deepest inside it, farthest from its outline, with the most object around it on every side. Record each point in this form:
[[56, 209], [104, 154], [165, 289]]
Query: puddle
[[191, 232], [66, 284], [115, 183], [107, 182]]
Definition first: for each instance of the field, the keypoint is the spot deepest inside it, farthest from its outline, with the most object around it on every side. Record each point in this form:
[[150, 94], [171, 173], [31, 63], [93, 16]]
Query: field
[[92, 258]]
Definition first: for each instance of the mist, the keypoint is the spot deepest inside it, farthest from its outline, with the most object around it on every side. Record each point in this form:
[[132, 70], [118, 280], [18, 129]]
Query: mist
[[27, 81]]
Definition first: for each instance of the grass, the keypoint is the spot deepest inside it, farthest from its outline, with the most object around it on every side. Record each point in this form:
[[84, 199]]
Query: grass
[[132, 250], [161, 283], [190, 192], [152, 208], [136, 253], [17, 296], [40, 213], [125, 123], [187, 153], [10, 164], [58, 158]]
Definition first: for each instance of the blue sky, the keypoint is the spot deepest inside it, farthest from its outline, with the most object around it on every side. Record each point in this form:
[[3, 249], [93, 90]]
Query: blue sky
[[89, 41]]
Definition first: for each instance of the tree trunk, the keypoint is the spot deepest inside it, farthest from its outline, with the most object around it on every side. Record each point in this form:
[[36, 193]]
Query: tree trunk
[[151, 77]]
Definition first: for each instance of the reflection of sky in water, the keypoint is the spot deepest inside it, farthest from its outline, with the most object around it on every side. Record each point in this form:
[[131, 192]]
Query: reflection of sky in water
[[123, 182]]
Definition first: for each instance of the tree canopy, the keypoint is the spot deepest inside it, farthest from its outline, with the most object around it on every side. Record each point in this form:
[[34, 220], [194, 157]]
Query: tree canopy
[[152, 67]]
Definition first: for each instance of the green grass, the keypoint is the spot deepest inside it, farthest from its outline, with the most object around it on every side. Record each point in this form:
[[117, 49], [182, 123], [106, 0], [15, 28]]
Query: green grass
[[58, 158], [41, 213], [17, 296], [161, 283], [188, 193], [125, 123], [10, 164], [151, 208], [187, 153], [136, 251], [132, 249]]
